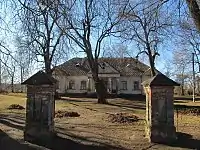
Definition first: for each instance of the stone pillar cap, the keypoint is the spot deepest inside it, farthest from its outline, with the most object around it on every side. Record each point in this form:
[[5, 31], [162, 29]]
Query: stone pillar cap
[[160, 80], [40, 78]]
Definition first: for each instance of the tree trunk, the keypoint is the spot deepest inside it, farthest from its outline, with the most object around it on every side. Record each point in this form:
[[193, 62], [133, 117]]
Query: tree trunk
[[182, 86], [12, 79], [12, 83], [101, 91], [99, 83], [22, 72], [48, 66], [152, 65], [182, 90], [151, 61], [195, 12]]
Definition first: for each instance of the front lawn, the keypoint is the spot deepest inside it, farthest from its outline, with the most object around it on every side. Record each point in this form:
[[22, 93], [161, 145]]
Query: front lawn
[[93, 129]]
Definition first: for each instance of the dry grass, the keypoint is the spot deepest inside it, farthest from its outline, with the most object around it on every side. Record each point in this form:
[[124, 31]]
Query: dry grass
[[93, 127], [187, 102], [7, 100], [17, 94]]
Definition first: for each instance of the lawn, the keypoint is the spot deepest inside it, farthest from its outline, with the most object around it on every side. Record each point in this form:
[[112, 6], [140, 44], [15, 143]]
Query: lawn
[[93, 129]]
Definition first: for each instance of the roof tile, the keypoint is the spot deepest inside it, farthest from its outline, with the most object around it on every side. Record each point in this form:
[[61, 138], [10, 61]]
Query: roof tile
[[124, 66]]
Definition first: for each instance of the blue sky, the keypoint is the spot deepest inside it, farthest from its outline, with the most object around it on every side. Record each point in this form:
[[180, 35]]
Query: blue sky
[[165, 49]]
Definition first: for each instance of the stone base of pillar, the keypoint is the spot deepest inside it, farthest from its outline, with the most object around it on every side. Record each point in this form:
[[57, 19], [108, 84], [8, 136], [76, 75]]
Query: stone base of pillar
[[34, 135], [161, 133]]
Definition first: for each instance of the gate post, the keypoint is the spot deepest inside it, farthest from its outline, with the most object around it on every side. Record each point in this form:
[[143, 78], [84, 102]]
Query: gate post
[[40, 107], [160, 109]]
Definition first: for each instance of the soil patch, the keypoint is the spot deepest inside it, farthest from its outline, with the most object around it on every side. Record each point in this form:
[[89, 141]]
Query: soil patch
[[188, 110], [123, 118], [61, 114], [16, 106]]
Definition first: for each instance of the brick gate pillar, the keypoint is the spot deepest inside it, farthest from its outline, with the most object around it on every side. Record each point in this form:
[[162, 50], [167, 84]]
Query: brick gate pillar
[[160, 109], [40, 107]]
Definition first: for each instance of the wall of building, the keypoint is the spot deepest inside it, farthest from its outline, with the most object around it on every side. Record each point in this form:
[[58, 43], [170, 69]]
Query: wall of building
[[130, 85], [144, 78], [77, 80], [64, 84]]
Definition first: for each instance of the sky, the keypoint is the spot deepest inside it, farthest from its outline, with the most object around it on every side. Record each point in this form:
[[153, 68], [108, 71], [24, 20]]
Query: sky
[[8, 38]]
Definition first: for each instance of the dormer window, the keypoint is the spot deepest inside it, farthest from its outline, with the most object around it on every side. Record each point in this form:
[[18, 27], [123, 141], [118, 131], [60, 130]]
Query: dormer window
[[78, 65], [102, 65]]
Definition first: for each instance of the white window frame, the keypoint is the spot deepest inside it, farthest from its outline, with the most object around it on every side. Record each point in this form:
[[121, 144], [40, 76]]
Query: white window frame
[[124, 83], [83, 86], [72, 87], [134, 85]]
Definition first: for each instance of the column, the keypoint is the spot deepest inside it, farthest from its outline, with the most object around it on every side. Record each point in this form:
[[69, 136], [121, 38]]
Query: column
[[88, 84], [110, 85], [117, 85]]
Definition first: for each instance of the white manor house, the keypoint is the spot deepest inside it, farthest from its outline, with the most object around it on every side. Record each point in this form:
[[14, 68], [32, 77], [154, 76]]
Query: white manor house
[[121, 76]]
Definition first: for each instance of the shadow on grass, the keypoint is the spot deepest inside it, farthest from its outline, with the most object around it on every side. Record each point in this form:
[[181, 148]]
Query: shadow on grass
[[185, 98], [179, 101], [183, 107], [126, 104], [56, 143], [133, 97], [60, 143], [8, 143], [8, 123], [65, 99], [129, 105], [12, 122], [186, 141], [12, 119]]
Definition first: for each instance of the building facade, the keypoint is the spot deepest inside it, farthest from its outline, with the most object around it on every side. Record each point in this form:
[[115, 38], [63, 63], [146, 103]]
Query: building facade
[[121, 76]]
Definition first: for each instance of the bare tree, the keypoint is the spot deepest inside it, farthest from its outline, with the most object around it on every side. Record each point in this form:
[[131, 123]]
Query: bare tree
[[118, 50], [189, 37], [9, 65], [194, 8], [182, 62], [24, 61], [42, 35], [88, 23], [11, 72], [147, 23]]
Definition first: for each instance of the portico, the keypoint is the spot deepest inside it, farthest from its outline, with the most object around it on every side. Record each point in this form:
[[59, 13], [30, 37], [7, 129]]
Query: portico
[[111, 82]]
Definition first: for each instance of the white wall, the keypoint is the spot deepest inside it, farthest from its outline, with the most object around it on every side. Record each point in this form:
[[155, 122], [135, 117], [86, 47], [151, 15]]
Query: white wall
[[64, 84], [130, 85], [144, 78], [77, 80]]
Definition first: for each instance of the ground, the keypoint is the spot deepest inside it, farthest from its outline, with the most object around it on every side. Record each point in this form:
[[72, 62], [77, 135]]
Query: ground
[[93, 129]]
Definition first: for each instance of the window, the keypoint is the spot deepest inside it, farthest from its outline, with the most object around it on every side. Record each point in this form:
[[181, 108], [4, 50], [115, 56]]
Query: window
[[136, 85], [71, 84], [83, 85], [124, 85]]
